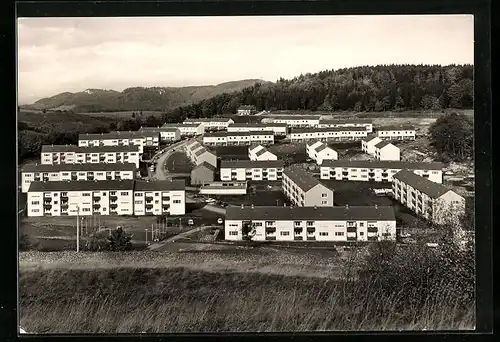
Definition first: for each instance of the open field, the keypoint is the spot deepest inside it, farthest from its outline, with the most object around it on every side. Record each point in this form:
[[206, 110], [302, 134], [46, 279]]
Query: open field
[[260, 197]]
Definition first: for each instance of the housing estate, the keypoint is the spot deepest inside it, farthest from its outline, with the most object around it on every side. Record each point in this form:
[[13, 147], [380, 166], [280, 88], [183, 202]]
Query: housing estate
[[203, 173], [107, 197], [278, 129], [188, 130], [224, 188], [70, 172], [384, 150], [303, 190], [403, 132], [238, 138], [246, 110], [429, 200], [211, 123], [319, 151], [198, 153], [366, 123], [368, 143], [293, 120], [242, 170], [72, 154], [311, 223], [141, 139], [167, 134], [378, 170], [327, 134], [259, 152]]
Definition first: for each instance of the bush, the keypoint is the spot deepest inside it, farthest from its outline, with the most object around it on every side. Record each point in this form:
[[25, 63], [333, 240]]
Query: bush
[[97, 242], [119, 240]]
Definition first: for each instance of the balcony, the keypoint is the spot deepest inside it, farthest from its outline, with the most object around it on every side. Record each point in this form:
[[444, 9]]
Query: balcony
[[96, 205], [372, 230], [372, 238], [270, 238], [351, 238], [149, 206], [311, 238], [113, 197], [298, 238], [113, 205], [351, 229]]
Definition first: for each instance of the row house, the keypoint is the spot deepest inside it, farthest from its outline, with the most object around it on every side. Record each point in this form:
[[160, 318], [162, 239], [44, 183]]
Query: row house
[[366, 123], [303, 190], [224, 188], [70, 172], [246, 110], [243, 170], [377, 170], [278, 129], [107, 197], [349, 224], [328, 134], [238, 138], [72, 154], [199, 154], [319, 151], [129, 138], [259, 152], [368, 143], [187, 130], [167, 134], [293, 120], [211, 124], [429, 200], [203, 173], [403, 132], [384, 150]]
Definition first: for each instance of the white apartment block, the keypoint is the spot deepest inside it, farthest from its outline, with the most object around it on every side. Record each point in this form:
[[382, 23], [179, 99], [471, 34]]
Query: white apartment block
[[167, 134], [259, 152], [72, 154], [384, 150], [319, 151], [246, 110], [70, 172], [108, 197], [293, 120], [303, 190], [328, 134], [245, 170], [311, 223], [368, 144], [198, 154], [139, 138], [396, 133], [189, 130], [366, 123], [238, 138], [429, 200], [377, 171], [224, 188], [211, 124], [278, 129]]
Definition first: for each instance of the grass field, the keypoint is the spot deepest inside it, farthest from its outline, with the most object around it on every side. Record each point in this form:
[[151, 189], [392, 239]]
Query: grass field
[[178, 162]]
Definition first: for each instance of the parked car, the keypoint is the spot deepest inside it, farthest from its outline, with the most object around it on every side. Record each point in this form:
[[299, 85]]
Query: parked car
[[210, 200]]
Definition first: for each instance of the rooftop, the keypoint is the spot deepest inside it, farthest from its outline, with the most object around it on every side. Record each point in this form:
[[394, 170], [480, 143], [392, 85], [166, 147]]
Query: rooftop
[[220, 185], [206, 165], [328, 129], [194, 120], [137, 185], [370, 137], [346, 121], [382, 213], [396, 128], [175, 125], [238, 134], [304, 180], [79, 167], [432, 189], [247, 164], [159, 129], [117, 135], [160, 185], [248, 124], [383, 164], [383, 144], [98, 149], [293, 117]]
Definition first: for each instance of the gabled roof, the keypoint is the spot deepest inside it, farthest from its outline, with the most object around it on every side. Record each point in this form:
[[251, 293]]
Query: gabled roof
[[201, 151], [79, 167], [396, 128], [383, 144], [82, 185], [254, 148], [205, 165], [293, 117], [380, 213], [383, 164], [346, 121], [327, 129], [188, 120], [371, 137], [247, 164], [97, 149], [158, 129], [248, 124], [118, 135], [238, 134], [160, 185], [301, 178], [178, 125], [431, 189]]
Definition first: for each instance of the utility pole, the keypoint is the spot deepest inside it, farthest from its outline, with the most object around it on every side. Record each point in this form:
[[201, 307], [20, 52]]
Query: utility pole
[[77, 229]]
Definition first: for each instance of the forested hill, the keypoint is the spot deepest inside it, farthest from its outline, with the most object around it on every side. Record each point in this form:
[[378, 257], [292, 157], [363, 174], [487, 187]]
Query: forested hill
[[369, 88]]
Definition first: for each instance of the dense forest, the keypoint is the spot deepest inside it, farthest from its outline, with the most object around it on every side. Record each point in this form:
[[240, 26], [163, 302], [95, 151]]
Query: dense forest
[[360, 89]]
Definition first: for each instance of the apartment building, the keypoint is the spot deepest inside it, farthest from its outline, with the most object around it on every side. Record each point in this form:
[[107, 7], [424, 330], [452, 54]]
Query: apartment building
[[311, 223], [107, 197], [328, 134], [378, 170], [72, 154], [211, 124], [293, 120], [404, 132], [384, 150], [259, 152], [167, 197], [70, 172], [303, 190], [141, 139], [278, 129], [368, 143], [431, 201], [198, 153], [187, 130], [167, 134], [243, 170], [366, 123], [238, 138], [319, 151], [246, 110], [224, 188]]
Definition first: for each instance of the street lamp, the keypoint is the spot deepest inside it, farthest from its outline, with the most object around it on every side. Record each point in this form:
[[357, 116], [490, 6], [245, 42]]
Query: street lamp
[[146, 235], [77, 229]]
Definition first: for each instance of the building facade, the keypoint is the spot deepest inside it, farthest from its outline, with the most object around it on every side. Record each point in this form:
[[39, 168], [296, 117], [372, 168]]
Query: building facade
[[167, 197], [139, 138], [202, 174], [167, 134], [238, 138], [396, 133], [187, 130], [246, 110], [349, 224], [319, 151], [328, 134], [293, 120], [303, 190], [377, 171], [259, 152], [366, 123], [384, 150], [211, 124], [199, 154], [368, 144], [278, 129], [243, 170], [224, 188]]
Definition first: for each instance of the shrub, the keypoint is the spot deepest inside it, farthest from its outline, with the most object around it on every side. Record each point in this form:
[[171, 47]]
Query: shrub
[[119, 240], [97, 242]]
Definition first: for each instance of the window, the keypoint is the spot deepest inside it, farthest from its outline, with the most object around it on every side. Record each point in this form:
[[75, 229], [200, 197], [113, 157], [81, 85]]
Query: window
[[35, 202], [361, 233], [138, 194], [138, 202], [36, 210], [258, 224], [112, 193], [156, 202], [177, 201], [284, 233], [86, 194], [339, 233], [323, 233], [324, 195], [56, 194], [310, 223], [361, 224], [124, 193], [324, 202], [85, 209], [55, 202]]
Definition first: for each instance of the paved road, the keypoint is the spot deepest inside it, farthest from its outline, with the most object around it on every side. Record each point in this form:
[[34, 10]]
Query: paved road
[[160, 244], [161, 173], [214, 209]]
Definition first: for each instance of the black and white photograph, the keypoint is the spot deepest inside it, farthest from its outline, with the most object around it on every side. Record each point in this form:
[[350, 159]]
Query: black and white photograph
[[199, 174]]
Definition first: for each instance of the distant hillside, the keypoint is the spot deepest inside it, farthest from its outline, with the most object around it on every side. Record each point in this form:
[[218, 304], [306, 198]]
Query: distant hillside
[[136, 98]]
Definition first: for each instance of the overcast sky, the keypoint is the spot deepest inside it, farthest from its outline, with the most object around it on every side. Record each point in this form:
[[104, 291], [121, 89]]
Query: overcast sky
[[74, 54]]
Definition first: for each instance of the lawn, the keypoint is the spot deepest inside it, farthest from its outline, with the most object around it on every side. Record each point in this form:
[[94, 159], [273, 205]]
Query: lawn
[[261, 197], [231, 152], [178, 162]]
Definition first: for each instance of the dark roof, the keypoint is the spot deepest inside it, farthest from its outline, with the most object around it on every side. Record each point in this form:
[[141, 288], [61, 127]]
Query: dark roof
[[322, 147], [79, 167], [233, 164], [158, 129], [160, 185], [294, 117], [301, 178], [245, 124], [252, 107], [261, 151], [117, 135], [327, 129], [180, 124], [396, 128], [207, 120], [346, 121], [201, 151], [432, 189], [205, 165], [383, 213], [81, 185], [383, 164], [370, 137], [383, 143], [238, 134], [78, 149]]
